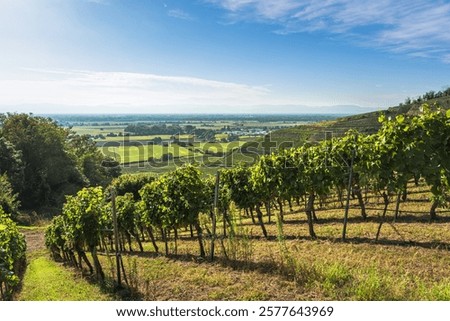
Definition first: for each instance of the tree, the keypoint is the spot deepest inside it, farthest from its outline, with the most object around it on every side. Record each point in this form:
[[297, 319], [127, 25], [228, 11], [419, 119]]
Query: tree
[[8, 200], [11, 164], [98, 169], [50, 172]]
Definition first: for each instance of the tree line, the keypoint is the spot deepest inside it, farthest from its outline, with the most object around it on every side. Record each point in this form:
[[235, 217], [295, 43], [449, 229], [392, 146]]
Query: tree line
[[163, 129], [43, 162], [428, 96]]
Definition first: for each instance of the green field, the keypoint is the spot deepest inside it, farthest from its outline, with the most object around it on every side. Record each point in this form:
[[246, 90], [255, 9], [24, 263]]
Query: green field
[[132, 154]]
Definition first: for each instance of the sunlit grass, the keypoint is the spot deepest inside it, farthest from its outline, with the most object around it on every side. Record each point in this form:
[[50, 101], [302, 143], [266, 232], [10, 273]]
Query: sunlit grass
[[46, 280]]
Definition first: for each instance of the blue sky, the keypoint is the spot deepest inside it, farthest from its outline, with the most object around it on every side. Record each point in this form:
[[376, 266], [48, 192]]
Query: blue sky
[[233, 56]]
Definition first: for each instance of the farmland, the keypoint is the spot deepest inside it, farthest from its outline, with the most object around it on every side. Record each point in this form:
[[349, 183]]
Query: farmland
[[218, 144]]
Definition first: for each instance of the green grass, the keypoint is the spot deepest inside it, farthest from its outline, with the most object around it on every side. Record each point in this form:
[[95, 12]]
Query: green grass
[[130, 154], [219, 147], [133, 154], [34, 227], [46, 280]]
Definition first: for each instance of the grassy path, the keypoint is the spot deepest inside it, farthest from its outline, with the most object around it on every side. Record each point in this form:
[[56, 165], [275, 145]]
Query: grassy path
[[46, 280]]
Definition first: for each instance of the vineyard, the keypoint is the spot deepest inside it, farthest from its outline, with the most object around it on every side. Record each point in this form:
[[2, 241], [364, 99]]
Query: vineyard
[[12, 255], [249, 218]]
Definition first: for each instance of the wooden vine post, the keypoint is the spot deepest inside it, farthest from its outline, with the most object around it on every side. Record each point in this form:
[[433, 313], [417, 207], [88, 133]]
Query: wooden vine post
[[349, 187], [215, 214], [116, 236]]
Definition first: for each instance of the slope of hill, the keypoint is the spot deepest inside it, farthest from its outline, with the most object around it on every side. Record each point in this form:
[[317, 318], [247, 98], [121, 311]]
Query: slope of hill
[[366, 123]]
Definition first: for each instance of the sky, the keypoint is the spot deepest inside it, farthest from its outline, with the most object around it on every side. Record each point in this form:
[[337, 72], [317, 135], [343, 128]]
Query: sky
[[219, 56]]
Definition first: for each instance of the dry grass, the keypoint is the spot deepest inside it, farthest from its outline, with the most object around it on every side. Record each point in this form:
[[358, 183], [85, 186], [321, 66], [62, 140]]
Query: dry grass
[[409, 262]]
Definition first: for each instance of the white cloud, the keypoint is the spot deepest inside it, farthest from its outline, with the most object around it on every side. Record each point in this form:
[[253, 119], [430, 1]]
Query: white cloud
[[447, 58], [103, 2], [393, 25], [180, 14], [78, 91], [121, 89]]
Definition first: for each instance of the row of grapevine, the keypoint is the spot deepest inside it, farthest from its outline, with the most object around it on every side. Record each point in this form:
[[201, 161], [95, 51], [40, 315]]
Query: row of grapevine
[[79, 228], [405, 148], [143, 204], [12, 255]]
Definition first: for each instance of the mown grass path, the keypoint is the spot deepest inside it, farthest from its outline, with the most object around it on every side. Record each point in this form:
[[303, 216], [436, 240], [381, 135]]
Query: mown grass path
[[46, 280]]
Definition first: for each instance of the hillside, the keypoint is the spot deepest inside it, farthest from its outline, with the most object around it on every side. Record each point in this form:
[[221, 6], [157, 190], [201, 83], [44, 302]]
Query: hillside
[[366, 123]]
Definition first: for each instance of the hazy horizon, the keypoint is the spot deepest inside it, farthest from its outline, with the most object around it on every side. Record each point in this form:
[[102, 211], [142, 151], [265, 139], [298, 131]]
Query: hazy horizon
[[207, 110]]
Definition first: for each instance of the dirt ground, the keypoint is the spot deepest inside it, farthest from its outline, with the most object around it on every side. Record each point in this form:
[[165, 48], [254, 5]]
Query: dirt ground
[[35, 239]]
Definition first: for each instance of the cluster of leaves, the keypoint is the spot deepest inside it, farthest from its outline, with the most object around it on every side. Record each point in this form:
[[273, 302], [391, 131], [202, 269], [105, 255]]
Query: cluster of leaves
[[175, 200], [12, 255], [44, 162], [416, 147], [8, 200]]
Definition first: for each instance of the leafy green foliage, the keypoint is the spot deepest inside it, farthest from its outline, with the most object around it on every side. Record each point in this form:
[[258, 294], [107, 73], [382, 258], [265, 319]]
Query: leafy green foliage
[[413, 147], [50, 172], [128, 183], [12, 254], [11, 164], [44, 162], [175, 200], [79, 227], [224, 198], [238, 181], [55, 236], [8, 200], [97, 169], [84, 213]]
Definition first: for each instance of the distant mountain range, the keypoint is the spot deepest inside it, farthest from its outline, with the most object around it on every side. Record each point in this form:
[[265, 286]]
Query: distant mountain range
[[304, 109]]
